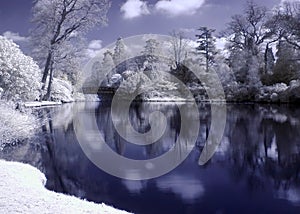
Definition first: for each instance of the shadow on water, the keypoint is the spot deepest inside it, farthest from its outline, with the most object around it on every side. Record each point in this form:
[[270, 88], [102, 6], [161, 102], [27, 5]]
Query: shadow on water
[[255, 169]]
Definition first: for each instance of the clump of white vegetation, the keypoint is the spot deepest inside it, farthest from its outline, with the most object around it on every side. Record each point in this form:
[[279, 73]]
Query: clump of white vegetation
[[15, 126], [19, 74]]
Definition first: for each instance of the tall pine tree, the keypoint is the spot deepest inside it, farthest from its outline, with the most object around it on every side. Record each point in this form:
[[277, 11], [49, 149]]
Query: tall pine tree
[[206, 45]]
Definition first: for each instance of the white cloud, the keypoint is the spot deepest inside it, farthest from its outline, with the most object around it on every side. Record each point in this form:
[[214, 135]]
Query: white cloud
[[179, 7], [14, 36], [95, 44], [94, 48], [221, 43], [283, 1], [187, 30], [134, 8]]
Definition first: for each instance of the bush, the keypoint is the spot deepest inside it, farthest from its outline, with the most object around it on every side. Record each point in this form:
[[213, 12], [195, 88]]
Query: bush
[[14, 125], [19, 75]]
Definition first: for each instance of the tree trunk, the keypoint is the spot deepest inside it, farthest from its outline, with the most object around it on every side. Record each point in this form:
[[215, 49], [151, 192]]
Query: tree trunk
[[45, 73], [206, 51], [48, 94], [207, 62], [46, 69], [266, 58]]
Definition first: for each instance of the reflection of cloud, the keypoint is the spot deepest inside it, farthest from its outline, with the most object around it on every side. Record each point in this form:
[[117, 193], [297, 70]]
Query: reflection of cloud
[[292, 195], [63, 117], [223, 147], [272, 151], [134, 186], [14, 36], [188, 30], [134, 8], [179, 7], [186, 187]]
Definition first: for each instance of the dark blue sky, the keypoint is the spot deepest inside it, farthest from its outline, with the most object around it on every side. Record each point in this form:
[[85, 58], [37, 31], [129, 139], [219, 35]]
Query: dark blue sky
[[159, 18]]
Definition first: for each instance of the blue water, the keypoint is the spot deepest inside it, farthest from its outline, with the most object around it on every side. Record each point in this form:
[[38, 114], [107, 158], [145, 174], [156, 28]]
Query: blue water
[[254, 170]]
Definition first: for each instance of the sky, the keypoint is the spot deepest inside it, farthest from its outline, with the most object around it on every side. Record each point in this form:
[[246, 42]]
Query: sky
[[133, 17]]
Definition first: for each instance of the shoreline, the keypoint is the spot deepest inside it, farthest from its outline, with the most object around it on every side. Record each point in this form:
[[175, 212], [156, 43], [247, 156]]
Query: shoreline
[[23, 190]]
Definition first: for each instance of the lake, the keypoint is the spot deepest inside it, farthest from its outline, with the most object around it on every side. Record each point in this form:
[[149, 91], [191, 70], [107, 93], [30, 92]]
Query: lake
[[255, 169]]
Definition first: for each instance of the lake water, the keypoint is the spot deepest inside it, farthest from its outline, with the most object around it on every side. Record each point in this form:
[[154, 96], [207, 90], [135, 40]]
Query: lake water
[[254, 170]]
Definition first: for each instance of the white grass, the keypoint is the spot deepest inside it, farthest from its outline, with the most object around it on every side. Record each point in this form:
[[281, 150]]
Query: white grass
[[22, 191], [40, 104], [15, 125]]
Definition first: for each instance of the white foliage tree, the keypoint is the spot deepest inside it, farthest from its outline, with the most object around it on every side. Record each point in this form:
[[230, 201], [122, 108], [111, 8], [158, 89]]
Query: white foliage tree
[[247, 33], [119, 51], [108, 62], [19, 74], [151, 50], [61, 23], [178, 47], [107, 66]]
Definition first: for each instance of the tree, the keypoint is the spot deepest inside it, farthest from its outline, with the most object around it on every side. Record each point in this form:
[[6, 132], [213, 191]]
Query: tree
[[206, 45], [286, 68], [19, 74], [119, 51], [69, 66], [58, 23], [178, 47], [287, 24], [269, 60], [248, 33], [107, 66], [151, 50], [108, 62]]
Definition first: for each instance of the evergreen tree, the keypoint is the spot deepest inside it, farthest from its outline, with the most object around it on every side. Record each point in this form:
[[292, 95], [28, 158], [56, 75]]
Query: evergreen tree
[[206, 46], [151, 50], [119, 51]]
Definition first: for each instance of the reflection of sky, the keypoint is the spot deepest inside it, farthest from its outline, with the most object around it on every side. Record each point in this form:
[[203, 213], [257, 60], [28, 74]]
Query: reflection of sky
[[272, 151], [223, 146], [238, 173], [134, 187], [187, 187], [292, 195]]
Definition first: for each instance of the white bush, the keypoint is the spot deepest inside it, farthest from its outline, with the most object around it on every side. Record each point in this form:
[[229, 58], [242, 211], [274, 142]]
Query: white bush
[[276, 88], [20, 76], [62, 90], [14, 125]]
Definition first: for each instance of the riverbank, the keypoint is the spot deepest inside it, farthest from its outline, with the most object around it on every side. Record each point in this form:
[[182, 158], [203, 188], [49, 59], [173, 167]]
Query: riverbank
[[23, 191]]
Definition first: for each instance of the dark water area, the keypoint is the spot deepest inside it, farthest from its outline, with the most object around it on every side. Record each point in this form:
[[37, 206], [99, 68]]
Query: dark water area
[[255, 169]]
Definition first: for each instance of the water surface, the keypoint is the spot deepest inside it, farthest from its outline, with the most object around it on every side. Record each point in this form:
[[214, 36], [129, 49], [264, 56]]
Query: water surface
[[255, 169]]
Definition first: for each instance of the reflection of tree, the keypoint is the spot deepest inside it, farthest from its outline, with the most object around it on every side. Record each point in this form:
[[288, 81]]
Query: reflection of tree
[[139, 119], [106, 127], [49, 153], [263, 145]]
